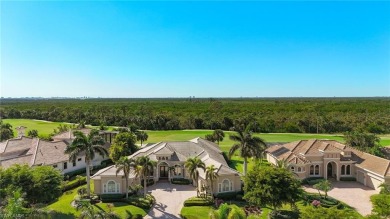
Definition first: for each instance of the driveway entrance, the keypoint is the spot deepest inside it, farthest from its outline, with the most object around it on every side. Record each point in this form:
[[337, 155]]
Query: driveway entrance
[[353, 194], [169, 199]]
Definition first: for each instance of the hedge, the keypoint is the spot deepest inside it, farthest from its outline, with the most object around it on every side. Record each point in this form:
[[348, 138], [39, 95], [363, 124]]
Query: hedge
[[149, 182], [103, 164], [180, 181], [228, 195], [196, 201], [112, 197], [140, 201], [347, 178], [74, 184], [312, 180]]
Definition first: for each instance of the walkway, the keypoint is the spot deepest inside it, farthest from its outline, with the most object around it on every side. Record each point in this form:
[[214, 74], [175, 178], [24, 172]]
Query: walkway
[[169, 199], [352, 193]]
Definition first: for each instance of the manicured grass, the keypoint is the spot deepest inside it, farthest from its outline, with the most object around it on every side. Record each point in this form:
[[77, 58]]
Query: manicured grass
[[43, 127], [196, 212], [120, 209], [66, 211]]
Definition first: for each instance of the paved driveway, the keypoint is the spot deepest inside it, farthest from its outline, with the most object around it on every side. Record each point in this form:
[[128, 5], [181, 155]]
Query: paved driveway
[[169, 199], [352, 193]]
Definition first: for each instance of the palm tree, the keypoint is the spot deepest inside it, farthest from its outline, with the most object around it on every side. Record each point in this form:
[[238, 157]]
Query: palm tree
[[88, 211], [146, 166], [125, 164], [142, 136], [90, 145], [211, 174], [283, 164], [218, 135], [192, 164], [248, 146], [226, 211]]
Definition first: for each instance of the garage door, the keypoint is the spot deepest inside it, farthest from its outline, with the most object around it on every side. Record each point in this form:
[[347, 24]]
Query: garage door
[[373, 182], [360, 177]]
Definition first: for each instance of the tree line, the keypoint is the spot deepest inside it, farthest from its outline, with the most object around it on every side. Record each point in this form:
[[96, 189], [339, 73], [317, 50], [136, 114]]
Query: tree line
[[295, 115]]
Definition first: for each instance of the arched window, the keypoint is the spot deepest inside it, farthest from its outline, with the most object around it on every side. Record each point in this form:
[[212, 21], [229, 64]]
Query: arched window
[[348, 169], [311, 169], [317, 170], [111, 187], [342, 169], [299, 169], [225, 186], [292, 168]]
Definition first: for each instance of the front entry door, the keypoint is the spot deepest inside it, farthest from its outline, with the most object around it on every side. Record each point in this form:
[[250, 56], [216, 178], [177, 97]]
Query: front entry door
[[163, 171]]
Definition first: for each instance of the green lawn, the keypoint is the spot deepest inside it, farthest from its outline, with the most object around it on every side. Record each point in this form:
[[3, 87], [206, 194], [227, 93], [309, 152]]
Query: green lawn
[[196, 212], [66, 211], [46, 128], [43, 127]]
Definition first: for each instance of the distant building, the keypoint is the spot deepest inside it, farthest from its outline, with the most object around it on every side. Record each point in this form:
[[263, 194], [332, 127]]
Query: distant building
[[37, 152], [331, 159]]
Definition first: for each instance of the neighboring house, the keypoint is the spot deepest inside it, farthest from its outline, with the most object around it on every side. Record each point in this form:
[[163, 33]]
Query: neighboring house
[[37, 152], [170, 158], [331, 159]]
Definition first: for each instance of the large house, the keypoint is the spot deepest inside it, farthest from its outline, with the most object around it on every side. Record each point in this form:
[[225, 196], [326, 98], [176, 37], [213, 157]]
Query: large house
[[37, 152], [331, 159], [170, 158]]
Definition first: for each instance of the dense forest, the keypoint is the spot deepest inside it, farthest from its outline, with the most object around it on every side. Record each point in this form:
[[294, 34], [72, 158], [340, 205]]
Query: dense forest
[[297, 115]]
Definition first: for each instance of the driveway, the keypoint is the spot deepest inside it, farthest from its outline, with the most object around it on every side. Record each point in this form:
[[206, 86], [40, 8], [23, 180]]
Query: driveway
[[169, 199], [352, 193]]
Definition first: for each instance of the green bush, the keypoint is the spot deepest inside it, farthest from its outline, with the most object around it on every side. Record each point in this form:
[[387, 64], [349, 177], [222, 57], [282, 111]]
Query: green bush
[[74, 184], [227, 195], [283, 214], [348, 178], [312, 180], [112, 197], [140, 201], [74, 173], [149, 182], [196, 201], [180, 181]]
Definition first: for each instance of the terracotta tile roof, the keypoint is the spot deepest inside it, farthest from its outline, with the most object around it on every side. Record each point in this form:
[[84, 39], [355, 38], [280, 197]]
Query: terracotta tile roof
[[295, 152]]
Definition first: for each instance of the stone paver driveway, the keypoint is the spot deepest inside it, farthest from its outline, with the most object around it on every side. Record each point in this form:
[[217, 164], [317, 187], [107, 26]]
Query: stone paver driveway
[[169, 199], [352, 193]]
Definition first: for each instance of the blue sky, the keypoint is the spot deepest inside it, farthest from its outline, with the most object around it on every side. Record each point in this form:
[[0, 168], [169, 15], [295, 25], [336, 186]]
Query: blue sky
[[202, 49]]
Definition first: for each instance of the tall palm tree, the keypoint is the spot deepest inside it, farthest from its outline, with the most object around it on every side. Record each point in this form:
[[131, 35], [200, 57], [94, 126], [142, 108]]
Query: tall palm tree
[[192, 164], [248, 145], [126, 165], [146, 166], [90, 145], [218, 135], [211, 174], [142, 136]]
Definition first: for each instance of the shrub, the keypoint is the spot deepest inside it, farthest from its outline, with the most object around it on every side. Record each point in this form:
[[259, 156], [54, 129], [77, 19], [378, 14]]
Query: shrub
[[111, 197], [348, 178], [283, 214], [140, 201], [149, 182], [180, 181], [311, 180], [196, 201], [74, 184], [227, 195]]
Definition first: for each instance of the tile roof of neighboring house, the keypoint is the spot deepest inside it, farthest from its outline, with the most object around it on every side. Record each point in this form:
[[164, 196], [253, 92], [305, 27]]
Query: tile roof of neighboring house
[[16, 144], [296, 152], [208, 152]]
